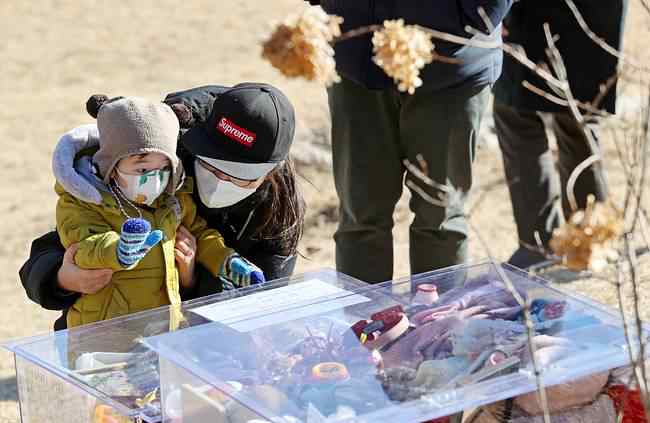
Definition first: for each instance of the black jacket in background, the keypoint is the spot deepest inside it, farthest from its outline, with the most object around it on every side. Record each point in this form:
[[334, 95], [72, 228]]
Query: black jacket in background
[[235, 223], [477, 66], [588, 65]]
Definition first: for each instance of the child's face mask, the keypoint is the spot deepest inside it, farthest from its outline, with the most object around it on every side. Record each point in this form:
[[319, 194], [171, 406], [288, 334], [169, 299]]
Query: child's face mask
[[144, 188], [143, 177]]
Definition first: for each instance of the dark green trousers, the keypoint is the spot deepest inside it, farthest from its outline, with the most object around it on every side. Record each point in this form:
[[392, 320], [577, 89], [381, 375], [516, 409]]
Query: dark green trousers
[[532, 174], [372, 133]]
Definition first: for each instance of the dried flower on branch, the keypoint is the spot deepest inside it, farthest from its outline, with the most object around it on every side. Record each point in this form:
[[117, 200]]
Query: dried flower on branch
[[587, 240], [401, 51], [300, 46]]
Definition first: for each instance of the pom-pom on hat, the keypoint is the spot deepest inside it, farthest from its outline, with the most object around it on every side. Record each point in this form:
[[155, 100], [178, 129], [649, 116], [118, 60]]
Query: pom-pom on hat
[[133, 125]]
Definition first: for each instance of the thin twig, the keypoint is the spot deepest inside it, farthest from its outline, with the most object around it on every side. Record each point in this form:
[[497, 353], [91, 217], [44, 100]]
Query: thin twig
[[557, 82], [588, 107], [515, 52], [645, 5], [421, 175], [604, 90], [548, 96], [644, 159], [601, 41], [528, 321], [357, 32], [486, 19], [560, 69], [526, 310], [645, 227], [571, 196], [518, 53], [640, 362], [425, 196], [484, 191], [626, 329]]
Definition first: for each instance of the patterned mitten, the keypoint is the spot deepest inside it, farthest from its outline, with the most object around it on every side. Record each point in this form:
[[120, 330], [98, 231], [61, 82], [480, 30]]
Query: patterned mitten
[[237, 272], [135, 241]]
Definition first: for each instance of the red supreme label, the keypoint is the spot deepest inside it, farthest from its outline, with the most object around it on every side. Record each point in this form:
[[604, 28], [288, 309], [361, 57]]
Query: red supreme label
[[236, 133]]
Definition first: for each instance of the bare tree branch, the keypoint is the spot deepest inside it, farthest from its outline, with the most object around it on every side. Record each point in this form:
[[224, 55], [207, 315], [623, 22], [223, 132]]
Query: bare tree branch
[[571, 196], [601, 41]]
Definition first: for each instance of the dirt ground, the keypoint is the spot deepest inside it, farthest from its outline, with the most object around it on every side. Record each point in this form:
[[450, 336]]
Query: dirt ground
[[55, 53]]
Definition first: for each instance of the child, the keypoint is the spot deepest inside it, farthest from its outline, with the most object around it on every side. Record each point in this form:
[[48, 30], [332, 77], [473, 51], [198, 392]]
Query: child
[[144, 202]]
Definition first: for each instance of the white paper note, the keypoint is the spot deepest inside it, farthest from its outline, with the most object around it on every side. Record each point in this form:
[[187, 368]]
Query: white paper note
[[279, 305]]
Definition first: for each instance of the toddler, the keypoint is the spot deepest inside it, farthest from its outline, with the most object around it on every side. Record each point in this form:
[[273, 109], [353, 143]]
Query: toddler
[[145, 199]]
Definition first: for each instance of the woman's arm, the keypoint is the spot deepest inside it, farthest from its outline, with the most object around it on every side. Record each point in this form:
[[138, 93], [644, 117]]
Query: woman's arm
[[52, 279], [39, 274]]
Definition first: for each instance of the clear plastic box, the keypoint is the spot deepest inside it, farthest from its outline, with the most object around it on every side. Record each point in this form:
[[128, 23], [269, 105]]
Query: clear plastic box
[[331, 361], [89, 373]]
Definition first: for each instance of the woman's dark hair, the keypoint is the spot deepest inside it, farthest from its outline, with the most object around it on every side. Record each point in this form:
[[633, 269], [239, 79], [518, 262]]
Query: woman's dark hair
[[286, 209]]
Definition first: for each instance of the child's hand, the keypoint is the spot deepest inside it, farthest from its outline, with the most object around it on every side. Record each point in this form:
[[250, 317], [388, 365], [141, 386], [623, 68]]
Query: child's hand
[[185, 252], [237, 272], [135, 241]]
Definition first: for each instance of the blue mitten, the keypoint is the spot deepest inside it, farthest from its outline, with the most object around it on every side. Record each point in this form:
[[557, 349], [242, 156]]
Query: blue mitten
[[237, 272], [135, 241]]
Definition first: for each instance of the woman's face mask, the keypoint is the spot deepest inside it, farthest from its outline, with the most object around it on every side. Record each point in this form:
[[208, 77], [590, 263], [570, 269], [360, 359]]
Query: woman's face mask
[[144, 188], [216, 193]]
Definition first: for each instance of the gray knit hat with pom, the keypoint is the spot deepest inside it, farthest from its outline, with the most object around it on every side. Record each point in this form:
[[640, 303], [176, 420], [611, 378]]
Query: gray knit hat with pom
[[133, 125]]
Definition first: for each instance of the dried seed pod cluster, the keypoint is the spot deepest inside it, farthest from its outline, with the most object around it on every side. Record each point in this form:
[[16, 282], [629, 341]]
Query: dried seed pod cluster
[[401, 51], [586, 241], [300, 46]]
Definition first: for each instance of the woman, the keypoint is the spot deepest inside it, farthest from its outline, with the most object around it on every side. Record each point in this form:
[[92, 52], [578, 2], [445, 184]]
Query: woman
[[236, 148]]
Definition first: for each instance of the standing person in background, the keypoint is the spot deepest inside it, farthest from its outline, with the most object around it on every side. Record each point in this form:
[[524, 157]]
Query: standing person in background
[[375, 128], [528, 161]]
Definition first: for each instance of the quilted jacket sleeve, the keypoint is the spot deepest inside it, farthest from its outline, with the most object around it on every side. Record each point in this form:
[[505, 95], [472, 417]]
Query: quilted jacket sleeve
[[79, 222]]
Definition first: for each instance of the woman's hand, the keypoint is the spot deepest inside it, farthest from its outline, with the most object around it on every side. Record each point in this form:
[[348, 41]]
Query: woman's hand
[[185, 252], [73, 278]]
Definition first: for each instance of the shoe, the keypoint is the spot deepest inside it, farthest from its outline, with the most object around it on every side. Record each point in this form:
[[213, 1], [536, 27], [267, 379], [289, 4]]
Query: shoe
[[524, 258]]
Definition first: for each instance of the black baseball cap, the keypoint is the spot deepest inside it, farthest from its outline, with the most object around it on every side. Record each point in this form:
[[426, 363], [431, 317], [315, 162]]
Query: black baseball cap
[[248, 132]]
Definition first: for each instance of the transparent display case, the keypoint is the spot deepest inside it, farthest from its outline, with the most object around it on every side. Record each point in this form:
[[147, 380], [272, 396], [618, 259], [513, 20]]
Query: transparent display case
[[411, 350], [103, 373]]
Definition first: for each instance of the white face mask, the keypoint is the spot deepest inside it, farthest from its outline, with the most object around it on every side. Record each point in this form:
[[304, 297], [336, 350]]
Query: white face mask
[[145, 188], [216, 193]]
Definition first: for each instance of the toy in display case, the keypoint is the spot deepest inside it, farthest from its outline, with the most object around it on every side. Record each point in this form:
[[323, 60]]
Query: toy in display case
[[406, 351], [103, 373]]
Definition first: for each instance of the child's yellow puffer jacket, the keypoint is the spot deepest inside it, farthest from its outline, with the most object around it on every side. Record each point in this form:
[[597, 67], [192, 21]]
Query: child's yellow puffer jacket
[[154, 281]]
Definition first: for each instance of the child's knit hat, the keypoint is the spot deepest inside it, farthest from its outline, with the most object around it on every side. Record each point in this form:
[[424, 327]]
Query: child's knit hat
[[132, 125]]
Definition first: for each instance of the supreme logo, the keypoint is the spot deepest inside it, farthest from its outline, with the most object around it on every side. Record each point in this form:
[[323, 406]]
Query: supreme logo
[[236, 133]]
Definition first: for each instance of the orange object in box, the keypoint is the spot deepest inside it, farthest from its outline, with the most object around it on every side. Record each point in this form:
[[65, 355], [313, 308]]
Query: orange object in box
[[105, 414]]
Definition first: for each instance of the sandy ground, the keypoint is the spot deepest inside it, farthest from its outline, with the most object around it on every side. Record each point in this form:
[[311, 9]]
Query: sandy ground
[[55, 53]]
